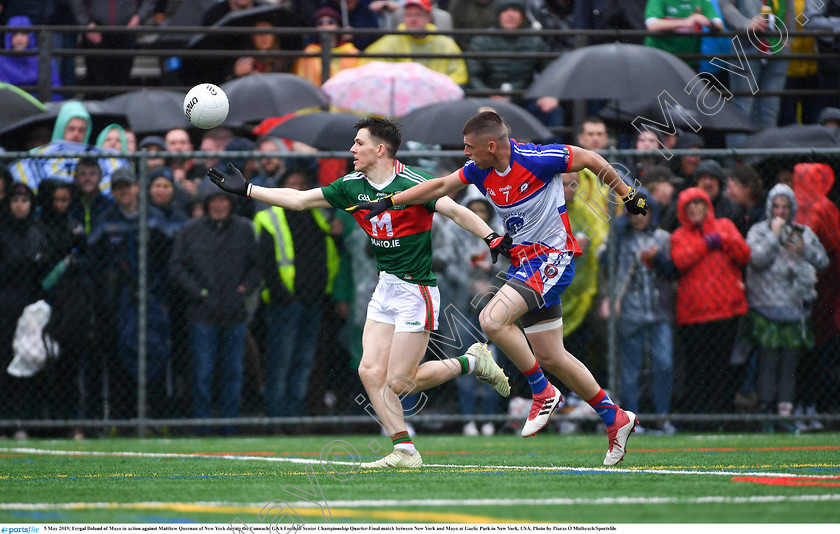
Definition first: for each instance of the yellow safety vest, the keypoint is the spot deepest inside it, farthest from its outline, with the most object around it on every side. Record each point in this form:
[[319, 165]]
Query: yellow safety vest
[[273, 220]]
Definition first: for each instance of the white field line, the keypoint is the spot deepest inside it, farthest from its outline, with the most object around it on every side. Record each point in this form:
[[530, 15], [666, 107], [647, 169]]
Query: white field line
[[24, 450], [394, 503]]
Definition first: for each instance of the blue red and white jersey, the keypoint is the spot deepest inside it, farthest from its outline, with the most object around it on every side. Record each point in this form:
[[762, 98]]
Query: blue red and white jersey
[[529, 199]]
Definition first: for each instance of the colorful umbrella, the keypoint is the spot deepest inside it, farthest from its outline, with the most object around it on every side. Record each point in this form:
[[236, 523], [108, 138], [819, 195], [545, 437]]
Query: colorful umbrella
[[32, 171], [389, 89]]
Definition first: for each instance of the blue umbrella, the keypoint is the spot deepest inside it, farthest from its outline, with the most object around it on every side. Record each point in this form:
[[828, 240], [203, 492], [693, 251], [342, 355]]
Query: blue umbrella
[[32, 171]]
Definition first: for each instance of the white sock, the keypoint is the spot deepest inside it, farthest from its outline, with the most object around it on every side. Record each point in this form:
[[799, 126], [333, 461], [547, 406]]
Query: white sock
[[470, 363], [407, 447]]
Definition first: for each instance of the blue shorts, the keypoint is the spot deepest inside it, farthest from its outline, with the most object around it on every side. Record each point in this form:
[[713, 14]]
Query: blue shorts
[[542, 280]]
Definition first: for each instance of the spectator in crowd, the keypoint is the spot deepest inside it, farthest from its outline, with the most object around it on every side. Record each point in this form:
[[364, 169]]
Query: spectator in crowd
[[112, 137], [67, 283], [482, 279], [310, 68], [801, 74], [610, 15], [114, 254], [24, 252], [829, 117], [25, 70], [262, 43], [811, 184], [48, 12], [471, 15], [214, 140], [745, 189], [73, 123], [162, 196], [214, 262], [186, 172], [108, 71], [647, 141], [709, 176], [826, 16], [359, 16], [553, 15], [299, 261], [643, 302], [590, 225], [781, 280], [271, 168], [685, 19], [710, 254], [768, 69], [418, 17], [153, 143], [391, 14], [686, 165], [593, 134], [506, 75], [89, 202], [662, 185]]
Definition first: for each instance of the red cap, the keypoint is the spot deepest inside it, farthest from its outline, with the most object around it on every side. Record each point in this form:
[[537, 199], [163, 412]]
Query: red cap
[[425, 4]]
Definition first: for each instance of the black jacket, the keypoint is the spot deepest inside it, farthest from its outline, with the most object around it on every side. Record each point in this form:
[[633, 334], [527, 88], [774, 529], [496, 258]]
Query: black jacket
[[209, 261]]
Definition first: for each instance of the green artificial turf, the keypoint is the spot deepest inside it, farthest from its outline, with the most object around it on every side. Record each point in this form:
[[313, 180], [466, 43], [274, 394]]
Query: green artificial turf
[[683, 478]]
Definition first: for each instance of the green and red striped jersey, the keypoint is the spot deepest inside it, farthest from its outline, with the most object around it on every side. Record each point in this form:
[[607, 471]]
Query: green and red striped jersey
[[401, 238]]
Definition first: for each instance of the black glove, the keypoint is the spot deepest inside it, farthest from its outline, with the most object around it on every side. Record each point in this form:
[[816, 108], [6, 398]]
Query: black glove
[[499, 245], [376, 208], [635, 202], [232, 183]]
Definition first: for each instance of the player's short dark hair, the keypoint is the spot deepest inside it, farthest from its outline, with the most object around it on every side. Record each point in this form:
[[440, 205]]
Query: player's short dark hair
[[486, 123], [383, 130]]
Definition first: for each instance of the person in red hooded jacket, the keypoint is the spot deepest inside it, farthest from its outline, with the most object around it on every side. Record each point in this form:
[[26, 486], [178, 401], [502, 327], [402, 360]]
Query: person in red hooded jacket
[[811, 184], [710, 254]]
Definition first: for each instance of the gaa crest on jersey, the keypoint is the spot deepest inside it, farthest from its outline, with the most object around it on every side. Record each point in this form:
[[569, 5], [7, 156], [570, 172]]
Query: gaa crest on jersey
[[514, 223], [551, 271]]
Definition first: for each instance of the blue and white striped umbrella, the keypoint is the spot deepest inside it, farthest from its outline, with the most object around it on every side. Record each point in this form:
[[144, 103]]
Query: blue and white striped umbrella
[[32, 171]]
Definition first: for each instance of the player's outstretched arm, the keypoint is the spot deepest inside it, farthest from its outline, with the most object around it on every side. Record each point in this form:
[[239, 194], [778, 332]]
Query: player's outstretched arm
[[419, 194], [634, 201], [284, 197], [469, 221]]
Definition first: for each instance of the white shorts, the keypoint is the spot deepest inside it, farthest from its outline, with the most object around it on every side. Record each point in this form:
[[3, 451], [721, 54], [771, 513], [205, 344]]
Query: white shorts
[[409, 307]]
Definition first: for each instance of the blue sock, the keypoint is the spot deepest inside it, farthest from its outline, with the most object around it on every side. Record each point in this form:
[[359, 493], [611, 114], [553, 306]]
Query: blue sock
[[536, 379], [604, 406]]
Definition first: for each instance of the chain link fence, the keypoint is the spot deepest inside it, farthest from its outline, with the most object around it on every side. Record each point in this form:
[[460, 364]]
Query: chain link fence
[[664, 318]]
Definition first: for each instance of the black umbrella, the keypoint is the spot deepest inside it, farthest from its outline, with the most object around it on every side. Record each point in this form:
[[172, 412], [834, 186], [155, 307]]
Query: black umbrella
[[276, 15], [16, 104], [255, 97], [152, 110], [14, 136], [684, 114], [794, 136], [323, 130], [612, 71], [196, 70], [443, 123]]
